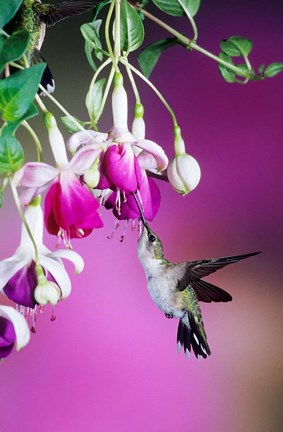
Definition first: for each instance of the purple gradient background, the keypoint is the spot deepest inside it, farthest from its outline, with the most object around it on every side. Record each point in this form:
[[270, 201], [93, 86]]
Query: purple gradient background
[[109, 361]]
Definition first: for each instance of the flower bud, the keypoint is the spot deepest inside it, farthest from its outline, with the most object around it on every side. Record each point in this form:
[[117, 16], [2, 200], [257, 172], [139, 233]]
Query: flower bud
[[183, 173], [119, 103], [92, 175], [138, 126], [56, 140], [47, 292]]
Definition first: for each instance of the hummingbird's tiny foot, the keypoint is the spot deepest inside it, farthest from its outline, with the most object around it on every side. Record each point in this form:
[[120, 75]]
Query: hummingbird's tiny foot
[[169, 315]]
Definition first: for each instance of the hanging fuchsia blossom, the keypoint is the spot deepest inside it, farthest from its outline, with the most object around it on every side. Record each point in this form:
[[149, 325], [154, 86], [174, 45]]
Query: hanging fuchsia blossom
[[28, 285], [124, 161], [14, 331], [70, 209]]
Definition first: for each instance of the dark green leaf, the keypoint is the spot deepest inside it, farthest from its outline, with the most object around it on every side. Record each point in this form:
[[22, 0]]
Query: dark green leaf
[[99, 7], [14, 47], [90, 32], [236, 46], [88, 52], [190, 6], [11, 153], [17, 92], [132, 31], [71, 125], [171, 7], [94, 98], [273, 69], [261, 69], [8, 9], [150, 55], [226, 73]]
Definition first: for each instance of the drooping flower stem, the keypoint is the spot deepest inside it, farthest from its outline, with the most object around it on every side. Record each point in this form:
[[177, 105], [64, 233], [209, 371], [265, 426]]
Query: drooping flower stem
[[105, 95], [107, 25], [36, 140], [191, 44], [117, 45], [152, 86], [192, 21], [22, 216], [132, 81]]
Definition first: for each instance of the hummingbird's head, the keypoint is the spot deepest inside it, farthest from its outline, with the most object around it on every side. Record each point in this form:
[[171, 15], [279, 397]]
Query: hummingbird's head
[[149, 245]]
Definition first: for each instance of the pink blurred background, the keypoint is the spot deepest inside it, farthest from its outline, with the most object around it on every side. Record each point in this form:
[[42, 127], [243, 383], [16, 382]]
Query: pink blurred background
[[109, 361]]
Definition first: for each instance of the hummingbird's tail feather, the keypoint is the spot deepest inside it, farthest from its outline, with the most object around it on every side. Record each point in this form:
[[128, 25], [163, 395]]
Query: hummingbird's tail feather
[[47, 80], [191, 335]]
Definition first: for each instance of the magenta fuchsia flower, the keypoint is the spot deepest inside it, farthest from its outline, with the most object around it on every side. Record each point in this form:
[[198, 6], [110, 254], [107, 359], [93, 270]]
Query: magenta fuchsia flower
[[70, 209], [14, 331], [28, 284]]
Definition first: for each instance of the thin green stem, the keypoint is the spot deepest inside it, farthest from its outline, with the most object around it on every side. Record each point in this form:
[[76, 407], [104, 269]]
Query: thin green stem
[[192, 21], [22, 216], [105, 95], [190, 44], [40, 104], [109, 60], [117, 45], [152, 86], [132, 81], [107, 33], [36, 140]]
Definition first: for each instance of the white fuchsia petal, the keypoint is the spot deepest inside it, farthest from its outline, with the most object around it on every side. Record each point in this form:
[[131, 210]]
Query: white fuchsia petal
[[147, 161], [10, 266], [20, 325], [35, 175], [84, 158], [120, 105], [156, 151], [34, 219], [72, 256], [56, 268], [121, 135], [86, 138]]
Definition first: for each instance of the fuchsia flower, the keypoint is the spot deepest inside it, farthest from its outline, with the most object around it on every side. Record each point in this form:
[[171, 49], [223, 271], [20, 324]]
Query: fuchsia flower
[[70, 209], [14, 331], [28, 285]]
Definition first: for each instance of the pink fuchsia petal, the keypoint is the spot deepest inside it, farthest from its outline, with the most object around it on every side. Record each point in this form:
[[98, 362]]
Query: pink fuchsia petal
[[20, 287], [28, 195], [19, 324], [120, 135], [35, 175], [156, 151], [71, 208], [84, 158], [83, 138], [119, 167], [7, 337], [147, 161]]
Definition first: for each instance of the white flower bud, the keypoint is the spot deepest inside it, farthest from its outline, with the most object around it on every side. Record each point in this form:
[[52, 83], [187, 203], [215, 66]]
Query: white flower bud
[[119, 103], [183, 173], [56, 140], [47, 292]]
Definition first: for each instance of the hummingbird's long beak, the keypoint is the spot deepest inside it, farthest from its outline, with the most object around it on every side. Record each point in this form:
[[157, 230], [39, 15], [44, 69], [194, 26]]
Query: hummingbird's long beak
[[141, 212]]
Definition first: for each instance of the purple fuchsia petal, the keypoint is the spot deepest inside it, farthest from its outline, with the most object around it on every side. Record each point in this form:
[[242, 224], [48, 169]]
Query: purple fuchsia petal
[[7, 337], [70, 207], [148, 194], [21, 286], [118, 166]]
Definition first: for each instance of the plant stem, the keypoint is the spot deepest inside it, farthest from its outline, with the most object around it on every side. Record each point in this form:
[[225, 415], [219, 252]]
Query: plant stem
[[22, 216], [117, 46], [107, 24], [105, 94], [36, 140], [190, 44], [132, 81], [152, 86], [192, 21]]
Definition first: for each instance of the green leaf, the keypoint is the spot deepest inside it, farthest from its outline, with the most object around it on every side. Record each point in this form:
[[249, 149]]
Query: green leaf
[[99, 7], [150, 55], [226, 73], [17, 92], [32, 112], [90, 32], [190, 6], [273, 69], [236, 46], [14, 47], [8, 9], [70, 125], [94, 98], [171, 7], [261, 69], [132, 30], [11, 152], [88, 53]]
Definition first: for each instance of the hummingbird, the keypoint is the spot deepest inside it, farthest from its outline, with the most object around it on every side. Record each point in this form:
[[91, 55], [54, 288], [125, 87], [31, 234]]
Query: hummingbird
[[178, 288], [35, 16]]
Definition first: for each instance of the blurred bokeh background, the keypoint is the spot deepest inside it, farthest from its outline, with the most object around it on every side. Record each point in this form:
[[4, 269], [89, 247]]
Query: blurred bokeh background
[[109, 362]]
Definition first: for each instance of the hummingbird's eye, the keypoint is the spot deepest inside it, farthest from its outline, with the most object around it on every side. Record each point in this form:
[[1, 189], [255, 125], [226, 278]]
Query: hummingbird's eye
[[151, 238]]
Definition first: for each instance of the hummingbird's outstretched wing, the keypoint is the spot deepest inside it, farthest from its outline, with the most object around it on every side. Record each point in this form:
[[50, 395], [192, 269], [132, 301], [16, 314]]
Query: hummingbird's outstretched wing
[[54, 14], [195, 270]]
